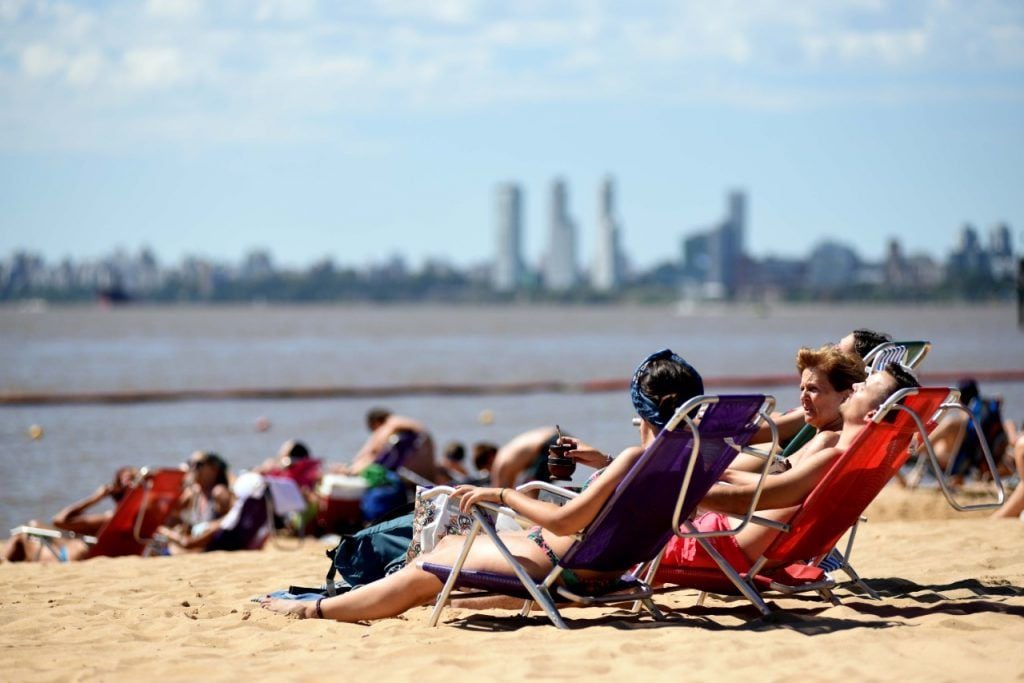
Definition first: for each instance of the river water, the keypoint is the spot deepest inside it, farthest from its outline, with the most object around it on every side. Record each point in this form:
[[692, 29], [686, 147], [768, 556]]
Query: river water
[[88, 349]]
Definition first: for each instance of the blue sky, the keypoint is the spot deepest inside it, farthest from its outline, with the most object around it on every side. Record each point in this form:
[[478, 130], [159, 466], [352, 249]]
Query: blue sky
[[356, 130]]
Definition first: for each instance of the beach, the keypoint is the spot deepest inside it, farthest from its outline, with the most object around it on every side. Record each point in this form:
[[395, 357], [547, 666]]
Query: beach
[[952, 587]]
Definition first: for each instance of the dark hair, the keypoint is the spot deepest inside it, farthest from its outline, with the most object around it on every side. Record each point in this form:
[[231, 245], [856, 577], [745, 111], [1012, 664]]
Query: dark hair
[[297, 451], [376, 416], [969, 391], [864, 340], [483, 455], [455, 452], [905, 379], [666, 382], [221, 466]]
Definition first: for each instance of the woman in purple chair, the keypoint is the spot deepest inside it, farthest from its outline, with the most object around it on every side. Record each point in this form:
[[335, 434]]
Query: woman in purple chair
[[661, 384]]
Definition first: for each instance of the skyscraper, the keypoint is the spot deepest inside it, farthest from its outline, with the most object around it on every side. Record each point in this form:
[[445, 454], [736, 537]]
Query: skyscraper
[[560, 262], [607, 272], [508, 265]]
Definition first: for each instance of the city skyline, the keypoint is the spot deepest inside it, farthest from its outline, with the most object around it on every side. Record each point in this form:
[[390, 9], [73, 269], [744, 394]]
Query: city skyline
[[353, 132]]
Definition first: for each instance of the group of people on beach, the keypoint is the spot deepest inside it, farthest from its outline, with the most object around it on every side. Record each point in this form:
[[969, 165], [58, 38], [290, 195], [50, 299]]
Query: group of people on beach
[[838, 396]]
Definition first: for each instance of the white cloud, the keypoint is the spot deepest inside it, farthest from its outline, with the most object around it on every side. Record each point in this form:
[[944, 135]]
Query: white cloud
[[284, 10], [173, 9], [153, 67], [86, 69], [332, 59], [42, 61], [11, 9]]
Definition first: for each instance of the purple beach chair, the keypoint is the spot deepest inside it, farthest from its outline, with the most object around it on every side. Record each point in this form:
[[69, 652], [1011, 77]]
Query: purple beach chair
[[660, 491]]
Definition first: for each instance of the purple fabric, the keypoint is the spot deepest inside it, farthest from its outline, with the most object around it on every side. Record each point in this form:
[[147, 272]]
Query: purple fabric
[[635, 523]]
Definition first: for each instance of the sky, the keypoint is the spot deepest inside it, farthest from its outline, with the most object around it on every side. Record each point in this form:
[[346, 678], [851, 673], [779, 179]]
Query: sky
[[359, 130]]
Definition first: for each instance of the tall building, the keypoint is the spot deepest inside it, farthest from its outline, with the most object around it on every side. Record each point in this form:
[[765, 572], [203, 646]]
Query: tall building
[[608, 260], [560, 262], [509, 271], [713, 259]]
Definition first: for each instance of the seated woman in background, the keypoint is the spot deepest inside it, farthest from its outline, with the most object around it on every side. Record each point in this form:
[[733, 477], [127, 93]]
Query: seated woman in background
[[73, 518], [203, 504]]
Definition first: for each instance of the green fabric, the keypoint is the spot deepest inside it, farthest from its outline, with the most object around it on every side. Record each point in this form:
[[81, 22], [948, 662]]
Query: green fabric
[[376, 475], [805, 434]]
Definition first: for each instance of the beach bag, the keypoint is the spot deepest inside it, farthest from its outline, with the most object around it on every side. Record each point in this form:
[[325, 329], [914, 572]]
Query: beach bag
[[370, 554], [385, 492], [435, 518]]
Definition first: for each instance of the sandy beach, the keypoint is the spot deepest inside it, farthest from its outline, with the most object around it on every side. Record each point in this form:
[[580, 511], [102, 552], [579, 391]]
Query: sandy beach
[[952, 608]]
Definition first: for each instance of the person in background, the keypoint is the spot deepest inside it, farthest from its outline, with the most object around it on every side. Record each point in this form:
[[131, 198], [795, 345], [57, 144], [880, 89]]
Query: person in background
[[453, 462], [484, 453], [73, 518], [387, 430], [201, 509], [294, 462], [524, 456], [859, 342]]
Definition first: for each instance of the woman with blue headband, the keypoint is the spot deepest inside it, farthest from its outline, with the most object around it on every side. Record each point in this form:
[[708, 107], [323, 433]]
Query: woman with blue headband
[[661, 383]]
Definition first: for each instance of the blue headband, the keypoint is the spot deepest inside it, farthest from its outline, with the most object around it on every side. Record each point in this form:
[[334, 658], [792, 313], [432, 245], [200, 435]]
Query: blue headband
[[644, 405]]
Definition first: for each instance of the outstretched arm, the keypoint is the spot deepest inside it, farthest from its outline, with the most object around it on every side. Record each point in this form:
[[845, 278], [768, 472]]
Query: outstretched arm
[[562, 520], [780, 490]]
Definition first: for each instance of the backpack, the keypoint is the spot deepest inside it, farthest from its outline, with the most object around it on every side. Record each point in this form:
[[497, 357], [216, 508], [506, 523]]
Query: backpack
[[370, 554]]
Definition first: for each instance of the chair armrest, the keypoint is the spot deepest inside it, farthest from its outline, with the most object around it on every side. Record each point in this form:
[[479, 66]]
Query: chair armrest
[[537, 485], [51, 533]]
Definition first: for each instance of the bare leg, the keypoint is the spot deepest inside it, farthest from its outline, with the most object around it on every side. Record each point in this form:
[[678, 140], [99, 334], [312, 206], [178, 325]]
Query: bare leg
[[1014, 505], [412, 587]]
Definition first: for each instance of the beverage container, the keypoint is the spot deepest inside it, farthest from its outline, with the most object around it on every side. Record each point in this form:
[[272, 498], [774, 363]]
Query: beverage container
[[559, 465]]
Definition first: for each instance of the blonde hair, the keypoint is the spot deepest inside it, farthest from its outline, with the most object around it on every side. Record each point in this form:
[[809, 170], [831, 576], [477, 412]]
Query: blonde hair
[[842, 369]]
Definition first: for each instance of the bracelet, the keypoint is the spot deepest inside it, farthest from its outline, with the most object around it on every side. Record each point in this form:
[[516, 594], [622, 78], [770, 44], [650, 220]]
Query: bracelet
[[319, 612], [501, 496]]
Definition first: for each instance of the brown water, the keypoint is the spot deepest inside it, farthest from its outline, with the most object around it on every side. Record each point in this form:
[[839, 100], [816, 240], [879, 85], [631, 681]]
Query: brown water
[[91, 349]]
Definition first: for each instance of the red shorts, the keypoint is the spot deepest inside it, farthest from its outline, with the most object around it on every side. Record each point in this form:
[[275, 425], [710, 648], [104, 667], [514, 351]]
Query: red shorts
[[687, 552]]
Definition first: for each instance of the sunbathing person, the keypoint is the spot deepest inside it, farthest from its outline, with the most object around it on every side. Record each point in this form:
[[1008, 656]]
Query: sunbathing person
[[73, 518], [385, 429], [783, 492], [816, 391], [203, 505], [827, 378], [661, 384]]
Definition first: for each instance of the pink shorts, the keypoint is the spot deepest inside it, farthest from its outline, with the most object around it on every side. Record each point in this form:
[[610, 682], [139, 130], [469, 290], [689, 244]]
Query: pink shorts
[[687, 552]]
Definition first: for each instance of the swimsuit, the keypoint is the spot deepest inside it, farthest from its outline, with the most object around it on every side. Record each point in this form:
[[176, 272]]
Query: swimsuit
[[569, 578], [688, 553]]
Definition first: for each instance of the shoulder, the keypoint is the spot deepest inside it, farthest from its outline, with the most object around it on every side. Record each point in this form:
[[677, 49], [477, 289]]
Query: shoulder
[[825, 439]]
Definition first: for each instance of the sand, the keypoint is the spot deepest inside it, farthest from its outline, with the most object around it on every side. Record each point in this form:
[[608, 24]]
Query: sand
[[952, 608]]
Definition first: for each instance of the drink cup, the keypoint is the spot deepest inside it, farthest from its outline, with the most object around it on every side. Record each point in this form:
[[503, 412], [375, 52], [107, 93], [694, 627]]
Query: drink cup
[[559, 465]]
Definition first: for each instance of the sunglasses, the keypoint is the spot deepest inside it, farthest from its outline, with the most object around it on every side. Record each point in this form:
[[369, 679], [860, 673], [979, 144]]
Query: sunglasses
[[196, 464]]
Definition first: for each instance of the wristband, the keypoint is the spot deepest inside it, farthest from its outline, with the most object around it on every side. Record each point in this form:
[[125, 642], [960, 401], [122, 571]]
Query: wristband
[[501, 496], [319, 612]]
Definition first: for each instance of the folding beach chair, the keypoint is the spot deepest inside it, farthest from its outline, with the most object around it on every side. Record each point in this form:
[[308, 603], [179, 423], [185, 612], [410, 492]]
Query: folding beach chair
[[249, 522], [402, 446], [663, 487], [790, 563], [131, 529], [285, 506]]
